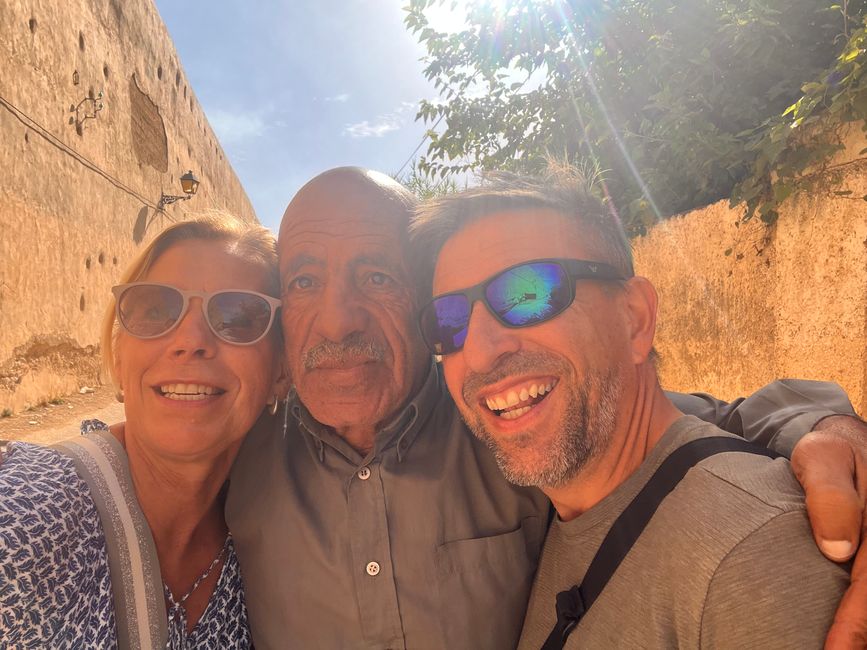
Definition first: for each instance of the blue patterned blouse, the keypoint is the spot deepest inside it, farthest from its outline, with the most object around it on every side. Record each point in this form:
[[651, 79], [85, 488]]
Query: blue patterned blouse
[[55, 590]]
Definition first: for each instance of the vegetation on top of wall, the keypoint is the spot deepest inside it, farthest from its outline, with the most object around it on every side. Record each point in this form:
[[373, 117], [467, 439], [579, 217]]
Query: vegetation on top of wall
[[788, 147], [682, 102]]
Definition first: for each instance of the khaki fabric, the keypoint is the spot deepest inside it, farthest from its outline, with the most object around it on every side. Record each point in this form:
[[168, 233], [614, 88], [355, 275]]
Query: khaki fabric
[[727, 561], [455, 546]]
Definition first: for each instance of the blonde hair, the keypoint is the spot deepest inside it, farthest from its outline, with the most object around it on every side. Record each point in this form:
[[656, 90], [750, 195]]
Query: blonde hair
[[249, 241]]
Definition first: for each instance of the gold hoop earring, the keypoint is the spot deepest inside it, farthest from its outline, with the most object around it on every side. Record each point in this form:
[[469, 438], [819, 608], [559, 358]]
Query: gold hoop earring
[[273, 406]]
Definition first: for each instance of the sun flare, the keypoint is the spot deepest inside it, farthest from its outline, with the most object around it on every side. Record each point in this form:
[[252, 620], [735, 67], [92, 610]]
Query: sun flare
[[450, 15]]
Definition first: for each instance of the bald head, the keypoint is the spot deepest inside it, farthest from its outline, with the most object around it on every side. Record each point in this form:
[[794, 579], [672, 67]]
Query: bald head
[[347, 189]]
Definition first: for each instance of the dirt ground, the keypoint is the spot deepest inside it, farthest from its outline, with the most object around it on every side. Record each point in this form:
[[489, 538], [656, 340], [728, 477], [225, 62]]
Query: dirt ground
[[51, 422]]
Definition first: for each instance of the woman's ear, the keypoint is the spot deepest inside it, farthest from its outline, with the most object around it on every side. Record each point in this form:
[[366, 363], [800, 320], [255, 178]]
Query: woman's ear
[[118, 382], [282, 380], [641, 302]]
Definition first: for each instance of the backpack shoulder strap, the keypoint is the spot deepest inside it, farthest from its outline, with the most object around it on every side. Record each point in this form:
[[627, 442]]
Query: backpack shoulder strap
[[573, 603], [137, 585]]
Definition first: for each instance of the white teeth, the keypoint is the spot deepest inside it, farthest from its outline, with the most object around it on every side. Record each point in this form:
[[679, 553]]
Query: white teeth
[[511, 415], [182, 397], [514, 397], [187, 391]]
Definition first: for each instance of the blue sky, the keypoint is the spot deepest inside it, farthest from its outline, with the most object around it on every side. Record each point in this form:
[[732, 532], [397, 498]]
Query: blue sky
[[294, 87]]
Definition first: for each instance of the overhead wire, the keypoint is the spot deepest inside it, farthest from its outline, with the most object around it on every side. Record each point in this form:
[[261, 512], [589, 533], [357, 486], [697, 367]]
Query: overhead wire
[[423, 140], [434, 126], [53, 140]]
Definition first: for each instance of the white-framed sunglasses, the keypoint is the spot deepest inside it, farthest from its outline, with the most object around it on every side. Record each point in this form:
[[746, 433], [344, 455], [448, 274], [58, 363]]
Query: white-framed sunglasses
[[148, 310]]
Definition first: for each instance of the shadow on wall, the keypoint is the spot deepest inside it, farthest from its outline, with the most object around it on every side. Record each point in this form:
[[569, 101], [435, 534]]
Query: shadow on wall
[[141, 226], [145, 219]]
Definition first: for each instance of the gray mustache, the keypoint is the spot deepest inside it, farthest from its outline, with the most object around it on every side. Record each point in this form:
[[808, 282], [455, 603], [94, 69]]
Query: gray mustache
[[352, 347]]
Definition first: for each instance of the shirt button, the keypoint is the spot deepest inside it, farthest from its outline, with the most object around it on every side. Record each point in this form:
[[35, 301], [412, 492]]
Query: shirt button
[[372, 568], [364, 473]]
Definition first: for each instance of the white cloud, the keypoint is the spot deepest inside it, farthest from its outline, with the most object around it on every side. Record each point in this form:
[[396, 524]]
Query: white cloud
[[232, 128], [382, 124], [367, 130], [342, 98]]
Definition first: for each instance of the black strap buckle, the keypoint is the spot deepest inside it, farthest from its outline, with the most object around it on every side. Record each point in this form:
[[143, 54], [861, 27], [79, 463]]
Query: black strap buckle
[[570, 609]]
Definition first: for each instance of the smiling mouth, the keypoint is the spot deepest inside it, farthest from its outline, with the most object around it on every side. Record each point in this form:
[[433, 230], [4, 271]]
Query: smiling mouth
[[519, 400], [189, 392]]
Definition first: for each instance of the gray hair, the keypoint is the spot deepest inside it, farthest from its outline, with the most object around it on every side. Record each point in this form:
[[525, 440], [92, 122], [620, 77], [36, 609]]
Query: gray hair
[[565, 192]]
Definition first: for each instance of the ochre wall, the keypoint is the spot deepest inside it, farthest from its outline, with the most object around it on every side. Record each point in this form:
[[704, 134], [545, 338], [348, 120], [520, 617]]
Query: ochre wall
[[790, 300], [66, 230]]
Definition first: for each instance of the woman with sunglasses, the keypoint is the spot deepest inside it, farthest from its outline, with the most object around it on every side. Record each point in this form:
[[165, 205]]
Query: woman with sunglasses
[[140, 555]]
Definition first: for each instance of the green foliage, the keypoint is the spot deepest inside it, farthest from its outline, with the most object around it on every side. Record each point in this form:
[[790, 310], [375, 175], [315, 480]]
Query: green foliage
[[424, 185], [679, 100], [789, 148]]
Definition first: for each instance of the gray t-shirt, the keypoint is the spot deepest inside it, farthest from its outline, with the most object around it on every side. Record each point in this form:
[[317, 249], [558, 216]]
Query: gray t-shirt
[[727, 561]]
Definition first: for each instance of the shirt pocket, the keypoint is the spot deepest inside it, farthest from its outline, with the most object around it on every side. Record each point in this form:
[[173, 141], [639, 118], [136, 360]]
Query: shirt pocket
[[484, 584]]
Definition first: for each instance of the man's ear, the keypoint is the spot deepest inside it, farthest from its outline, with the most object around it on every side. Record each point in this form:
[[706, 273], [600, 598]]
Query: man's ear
[[641, 303]]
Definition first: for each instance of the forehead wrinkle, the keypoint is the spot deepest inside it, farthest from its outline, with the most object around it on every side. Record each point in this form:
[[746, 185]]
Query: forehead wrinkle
[[378, 259], [320, 238], [325, 222]]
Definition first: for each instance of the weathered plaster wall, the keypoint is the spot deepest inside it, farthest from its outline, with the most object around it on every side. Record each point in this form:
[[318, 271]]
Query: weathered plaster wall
[[789, 301], [77, 197]]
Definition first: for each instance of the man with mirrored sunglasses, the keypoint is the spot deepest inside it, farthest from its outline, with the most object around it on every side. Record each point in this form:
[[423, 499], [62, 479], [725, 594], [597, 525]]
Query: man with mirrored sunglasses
[[669, 533], [368, 516]]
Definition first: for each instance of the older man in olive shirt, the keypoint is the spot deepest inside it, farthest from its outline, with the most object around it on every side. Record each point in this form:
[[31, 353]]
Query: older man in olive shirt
[[367, 516]]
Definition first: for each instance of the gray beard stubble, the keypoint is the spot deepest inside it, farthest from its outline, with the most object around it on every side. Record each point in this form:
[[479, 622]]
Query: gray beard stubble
[[586, 427]]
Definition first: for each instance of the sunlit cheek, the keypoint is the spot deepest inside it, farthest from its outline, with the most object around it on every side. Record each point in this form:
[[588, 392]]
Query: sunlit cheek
[[295, 322]]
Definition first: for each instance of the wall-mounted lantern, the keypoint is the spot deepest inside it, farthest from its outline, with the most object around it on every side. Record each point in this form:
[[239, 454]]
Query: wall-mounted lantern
[[189, 184], [85, 110]]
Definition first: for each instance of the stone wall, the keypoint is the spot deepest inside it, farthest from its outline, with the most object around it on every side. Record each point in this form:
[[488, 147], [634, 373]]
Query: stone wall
[[79, 187], [788, 300]]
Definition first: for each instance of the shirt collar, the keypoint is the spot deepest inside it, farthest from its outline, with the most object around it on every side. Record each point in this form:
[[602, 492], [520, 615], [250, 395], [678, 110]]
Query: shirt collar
[[400, 431]]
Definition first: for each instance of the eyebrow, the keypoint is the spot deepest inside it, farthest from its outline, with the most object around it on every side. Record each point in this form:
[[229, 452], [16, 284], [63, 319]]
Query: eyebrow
[[301, 260], [381, 260]]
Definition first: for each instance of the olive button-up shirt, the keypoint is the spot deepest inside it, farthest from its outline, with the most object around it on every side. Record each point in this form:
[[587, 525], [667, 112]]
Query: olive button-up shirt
[[419, 544]]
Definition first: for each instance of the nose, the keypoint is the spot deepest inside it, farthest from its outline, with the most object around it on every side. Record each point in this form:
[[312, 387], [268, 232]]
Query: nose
[[487, 340], [193, 336], [341, 312]]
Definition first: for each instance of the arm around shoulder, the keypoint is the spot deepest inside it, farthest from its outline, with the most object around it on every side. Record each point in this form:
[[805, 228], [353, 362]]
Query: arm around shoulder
[[776, 416]]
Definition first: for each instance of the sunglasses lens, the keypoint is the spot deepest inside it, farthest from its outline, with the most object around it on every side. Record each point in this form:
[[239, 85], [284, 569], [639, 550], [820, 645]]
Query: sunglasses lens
[[148, 310], [529, 293], [239, 317], [444, 323]]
